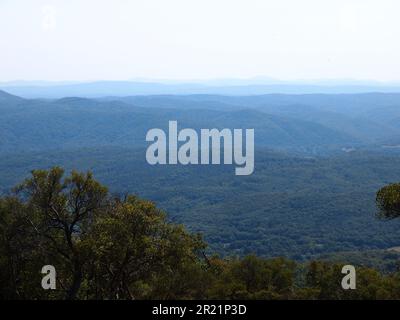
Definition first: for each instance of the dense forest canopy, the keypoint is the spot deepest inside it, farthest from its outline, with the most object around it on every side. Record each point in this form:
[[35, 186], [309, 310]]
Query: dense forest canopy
[[319, 161], [293, 206], [108, 247]]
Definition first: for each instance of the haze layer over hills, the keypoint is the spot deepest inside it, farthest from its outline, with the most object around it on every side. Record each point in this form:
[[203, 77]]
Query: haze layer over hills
[[319, 160]]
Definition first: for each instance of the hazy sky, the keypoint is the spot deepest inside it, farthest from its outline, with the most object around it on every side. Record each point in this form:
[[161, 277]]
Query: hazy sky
[[199, 39]]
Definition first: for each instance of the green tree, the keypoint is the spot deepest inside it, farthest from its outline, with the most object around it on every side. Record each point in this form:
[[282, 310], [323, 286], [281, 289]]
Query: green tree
[[102, 246], [388, 201]]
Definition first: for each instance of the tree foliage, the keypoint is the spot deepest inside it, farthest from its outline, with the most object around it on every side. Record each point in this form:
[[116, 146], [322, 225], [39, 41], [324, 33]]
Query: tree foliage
[[101, 246], [388, 201], [112, 247]]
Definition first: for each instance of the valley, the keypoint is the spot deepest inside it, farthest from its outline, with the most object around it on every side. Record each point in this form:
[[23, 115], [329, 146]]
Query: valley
[[318, 164]]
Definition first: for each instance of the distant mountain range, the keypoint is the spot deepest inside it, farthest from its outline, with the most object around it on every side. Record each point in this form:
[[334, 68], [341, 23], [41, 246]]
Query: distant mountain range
[[43, 89], [316, 124]]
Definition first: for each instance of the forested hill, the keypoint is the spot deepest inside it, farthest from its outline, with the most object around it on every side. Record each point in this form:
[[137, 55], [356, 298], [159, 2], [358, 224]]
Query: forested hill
[[298, 123], [109, 247], [319, 161], [293, 206]]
